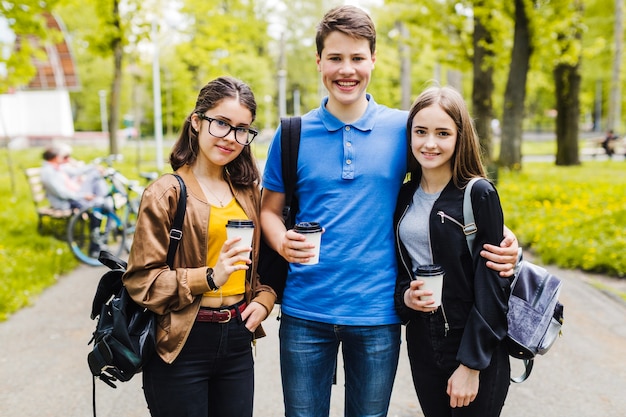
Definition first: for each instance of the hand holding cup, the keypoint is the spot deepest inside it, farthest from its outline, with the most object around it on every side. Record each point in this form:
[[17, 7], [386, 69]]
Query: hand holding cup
[[243, 229], [312, 231]]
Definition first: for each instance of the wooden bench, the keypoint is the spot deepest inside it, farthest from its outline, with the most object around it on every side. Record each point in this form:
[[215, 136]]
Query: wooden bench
[[42, 205], [594, 147]]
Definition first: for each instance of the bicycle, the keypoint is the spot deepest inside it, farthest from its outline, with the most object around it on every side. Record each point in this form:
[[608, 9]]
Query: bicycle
[[110, 224]]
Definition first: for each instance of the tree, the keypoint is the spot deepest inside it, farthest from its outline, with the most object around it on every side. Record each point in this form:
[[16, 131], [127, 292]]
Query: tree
[[567, 79], [104, 32], [483, 85], [227, 37], [26, 19], [615, 96], [515, 93], [114, 22]]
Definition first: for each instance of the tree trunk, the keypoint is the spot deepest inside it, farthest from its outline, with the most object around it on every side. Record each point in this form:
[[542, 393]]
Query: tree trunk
[[116, 86], [567, 87], [515, 94], [615, 93], [405, 66], [483, 86]]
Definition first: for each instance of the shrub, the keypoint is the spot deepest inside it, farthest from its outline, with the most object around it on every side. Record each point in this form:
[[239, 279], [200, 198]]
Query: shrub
[[573, 217]]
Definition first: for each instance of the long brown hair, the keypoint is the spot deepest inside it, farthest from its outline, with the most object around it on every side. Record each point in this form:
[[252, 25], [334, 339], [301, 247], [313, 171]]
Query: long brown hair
[[242, 170], [466, 160]]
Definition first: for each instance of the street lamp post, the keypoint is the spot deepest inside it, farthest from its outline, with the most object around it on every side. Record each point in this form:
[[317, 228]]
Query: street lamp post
[[103, 110], [156, 92], [268, 103]]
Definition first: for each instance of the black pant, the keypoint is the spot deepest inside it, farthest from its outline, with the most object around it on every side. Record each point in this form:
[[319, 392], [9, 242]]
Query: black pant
[[433, 360], [213, 376], [608, 147]]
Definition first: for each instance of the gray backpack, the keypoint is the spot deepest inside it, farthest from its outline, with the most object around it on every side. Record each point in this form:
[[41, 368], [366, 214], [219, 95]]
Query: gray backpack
[[535, 314]]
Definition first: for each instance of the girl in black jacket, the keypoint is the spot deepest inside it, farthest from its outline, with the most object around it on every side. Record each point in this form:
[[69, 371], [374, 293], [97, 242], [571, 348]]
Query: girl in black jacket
[[459, 362]]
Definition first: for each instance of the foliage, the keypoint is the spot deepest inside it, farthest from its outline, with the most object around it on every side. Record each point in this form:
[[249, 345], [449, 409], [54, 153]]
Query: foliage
[[575, 219], [241, 38], [31, 262], [229, 37], [27, 22]]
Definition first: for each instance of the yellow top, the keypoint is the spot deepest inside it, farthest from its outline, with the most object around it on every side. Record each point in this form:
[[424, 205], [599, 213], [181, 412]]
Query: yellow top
[[217, 236]]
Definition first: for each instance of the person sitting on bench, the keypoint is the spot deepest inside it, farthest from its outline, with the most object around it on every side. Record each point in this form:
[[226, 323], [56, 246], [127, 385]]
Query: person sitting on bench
[[69, 184]]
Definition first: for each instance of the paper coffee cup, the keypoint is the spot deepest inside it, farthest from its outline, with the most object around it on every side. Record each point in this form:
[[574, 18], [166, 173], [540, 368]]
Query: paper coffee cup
[[240, 228], [313, 233], [432, 276]]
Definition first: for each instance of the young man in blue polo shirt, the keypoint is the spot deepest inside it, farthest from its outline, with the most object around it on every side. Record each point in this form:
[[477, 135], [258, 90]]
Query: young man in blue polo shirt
[[351, 164]]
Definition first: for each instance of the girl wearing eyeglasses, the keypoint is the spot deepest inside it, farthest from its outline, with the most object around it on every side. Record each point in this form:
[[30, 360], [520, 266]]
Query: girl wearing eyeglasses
[[211, 304]]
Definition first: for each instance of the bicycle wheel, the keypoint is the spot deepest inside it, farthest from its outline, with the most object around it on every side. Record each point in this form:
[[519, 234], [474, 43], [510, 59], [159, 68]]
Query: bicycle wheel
[[93, 229]]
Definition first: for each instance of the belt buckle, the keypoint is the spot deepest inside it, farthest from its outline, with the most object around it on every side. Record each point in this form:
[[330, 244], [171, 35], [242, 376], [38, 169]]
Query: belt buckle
[[230, 316]]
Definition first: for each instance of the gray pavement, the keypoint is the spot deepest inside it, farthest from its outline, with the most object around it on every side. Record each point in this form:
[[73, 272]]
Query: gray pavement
[[44, 372]]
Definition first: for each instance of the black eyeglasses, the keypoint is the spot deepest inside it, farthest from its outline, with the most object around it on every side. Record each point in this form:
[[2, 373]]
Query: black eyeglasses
[[221, 129]]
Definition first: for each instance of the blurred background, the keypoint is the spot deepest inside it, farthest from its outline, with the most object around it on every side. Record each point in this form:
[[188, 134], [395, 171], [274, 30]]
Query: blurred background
[[112, 71], [543, 79]]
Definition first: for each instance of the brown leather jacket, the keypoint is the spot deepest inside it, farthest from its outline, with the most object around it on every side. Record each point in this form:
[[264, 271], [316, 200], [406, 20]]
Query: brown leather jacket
[[175, 295]]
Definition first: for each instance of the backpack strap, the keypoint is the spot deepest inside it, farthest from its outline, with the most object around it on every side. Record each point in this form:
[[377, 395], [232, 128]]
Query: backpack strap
[[176, 232], [290, 145], [468, 218], [468, 215]]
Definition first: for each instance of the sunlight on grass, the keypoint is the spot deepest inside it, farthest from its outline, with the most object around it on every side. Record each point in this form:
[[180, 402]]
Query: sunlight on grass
[[574, 217]]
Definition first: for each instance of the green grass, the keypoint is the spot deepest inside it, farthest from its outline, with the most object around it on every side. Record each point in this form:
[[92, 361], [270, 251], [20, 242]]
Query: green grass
[[574, 217], [31, 261]]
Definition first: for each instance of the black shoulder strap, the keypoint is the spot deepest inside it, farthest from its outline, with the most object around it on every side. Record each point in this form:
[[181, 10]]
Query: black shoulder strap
[[290, 144], [176, 232]]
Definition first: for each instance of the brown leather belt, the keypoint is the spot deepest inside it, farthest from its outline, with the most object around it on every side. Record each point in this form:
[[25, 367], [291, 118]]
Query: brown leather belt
[[220, 315]]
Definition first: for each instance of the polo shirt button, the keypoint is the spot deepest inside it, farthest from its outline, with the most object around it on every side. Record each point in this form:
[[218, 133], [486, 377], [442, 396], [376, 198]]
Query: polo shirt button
[[348, 144], [349, 161], [348, 128]]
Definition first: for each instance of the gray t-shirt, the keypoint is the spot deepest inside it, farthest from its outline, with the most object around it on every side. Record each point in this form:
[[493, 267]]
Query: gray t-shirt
[[414, 228]]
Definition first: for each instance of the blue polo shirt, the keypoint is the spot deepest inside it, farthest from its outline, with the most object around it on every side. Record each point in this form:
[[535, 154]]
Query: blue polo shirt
[[349, 176]]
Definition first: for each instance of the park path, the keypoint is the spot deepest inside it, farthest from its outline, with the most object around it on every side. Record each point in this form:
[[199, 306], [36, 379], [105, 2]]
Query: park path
[[44, 372]]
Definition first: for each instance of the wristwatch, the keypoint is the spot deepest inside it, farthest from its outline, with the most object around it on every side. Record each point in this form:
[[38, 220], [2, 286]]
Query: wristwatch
[[209, 280]]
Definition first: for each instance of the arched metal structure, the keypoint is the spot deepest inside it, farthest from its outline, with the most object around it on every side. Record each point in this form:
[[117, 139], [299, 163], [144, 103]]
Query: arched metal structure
[[58, 70]]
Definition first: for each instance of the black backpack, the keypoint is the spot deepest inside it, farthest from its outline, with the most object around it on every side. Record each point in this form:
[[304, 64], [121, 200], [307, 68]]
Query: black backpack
[[124, 338], [273, 268]]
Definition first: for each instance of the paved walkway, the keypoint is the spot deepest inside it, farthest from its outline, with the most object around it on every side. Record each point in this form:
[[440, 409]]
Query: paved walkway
[[44, 372]]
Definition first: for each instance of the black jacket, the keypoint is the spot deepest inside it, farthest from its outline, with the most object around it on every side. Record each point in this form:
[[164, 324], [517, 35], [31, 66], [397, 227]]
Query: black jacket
[[475, 298]]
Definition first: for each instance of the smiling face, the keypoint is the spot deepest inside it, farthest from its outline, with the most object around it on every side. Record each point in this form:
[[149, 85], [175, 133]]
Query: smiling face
[[346, 65], [221, 151], [433, 139]]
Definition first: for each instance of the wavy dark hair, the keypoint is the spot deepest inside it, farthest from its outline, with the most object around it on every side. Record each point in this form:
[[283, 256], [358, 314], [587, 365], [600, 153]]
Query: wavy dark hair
[[242, 170], [466, 160]]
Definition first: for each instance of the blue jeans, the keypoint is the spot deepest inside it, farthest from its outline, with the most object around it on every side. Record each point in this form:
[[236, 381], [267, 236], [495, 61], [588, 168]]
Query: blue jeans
[[308, 359]]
